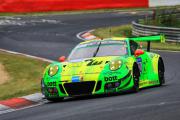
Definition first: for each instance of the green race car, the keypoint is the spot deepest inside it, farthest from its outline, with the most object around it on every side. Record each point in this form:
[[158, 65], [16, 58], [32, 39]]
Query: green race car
[[111, 65]]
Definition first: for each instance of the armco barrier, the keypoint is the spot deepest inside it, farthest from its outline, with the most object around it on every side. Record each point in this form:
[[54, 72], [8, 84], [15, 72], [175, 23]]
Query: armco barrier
[[63, 5], [172, 34]]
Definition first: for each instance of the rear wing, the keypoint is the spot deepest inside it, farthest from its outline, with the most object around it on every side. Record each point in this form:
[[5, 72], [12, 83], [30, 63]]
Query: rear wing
[[149, 39]]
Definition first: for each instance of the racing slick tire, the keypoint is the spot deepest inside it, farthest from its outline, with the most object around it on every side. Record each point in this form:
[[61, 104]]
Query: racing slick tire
[[135, 76], [161, 71]]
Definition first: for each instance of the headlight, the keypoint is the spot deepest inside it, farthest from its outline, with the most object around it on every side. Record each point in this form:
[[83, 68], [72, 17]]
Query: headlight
[[114, 65], [53, 70]]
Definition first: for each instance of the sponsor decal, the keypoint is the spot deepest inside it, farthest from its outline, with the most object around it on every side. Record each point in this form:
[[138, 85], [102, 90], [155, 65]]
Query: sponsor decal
[[51, 83], [75, 79], [147, 82], [93, 62], [113, 78]]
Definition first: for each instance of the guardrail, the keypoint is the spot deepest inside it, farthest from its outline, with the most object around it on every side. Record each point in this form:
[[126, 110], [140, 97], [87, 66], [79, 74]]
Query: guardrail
[[171, 34]]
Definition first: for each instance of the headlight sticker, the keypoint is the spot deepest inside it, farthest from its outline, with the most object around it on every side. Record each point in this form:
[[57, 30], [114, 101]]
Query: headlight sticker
[[114, 65]]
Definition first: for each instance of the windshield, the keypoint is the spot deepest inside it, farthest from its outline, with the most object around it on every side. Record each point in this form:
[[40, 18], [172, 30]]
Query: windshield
[[98, 49]]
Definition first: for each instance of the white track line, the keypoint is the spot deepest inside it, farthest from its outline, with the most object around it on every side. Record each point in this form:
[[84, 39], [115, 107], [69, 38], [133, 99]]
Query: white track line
[[30, 56], [79, 35]]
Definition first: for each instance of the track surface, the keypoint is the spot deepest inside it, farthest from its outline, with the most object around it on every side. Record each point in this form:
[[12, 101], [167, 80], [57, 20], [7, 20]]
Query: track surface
[[52, 36]]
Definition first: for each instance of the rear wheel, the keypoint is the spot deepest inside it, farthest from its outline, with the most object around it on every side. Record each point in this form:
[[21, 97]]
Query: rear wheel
[[161, 71], [135, 76]]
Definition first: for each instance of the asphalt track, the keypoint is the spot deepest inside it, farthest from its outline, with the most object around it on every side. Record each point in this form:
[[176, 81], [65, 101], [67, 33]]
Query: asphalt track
[[53, 36]]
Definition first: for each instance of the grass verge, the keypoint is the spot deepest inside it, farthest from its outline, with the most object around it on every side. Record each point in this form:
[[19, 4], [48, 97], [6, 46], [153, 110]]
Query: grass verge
[[126, 30], [25, 74]]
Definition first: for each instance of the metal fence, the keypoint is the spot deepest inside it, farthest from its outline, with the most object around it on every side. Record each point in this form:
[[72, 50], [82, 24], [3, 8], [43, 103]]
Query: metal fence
[[171, 34]]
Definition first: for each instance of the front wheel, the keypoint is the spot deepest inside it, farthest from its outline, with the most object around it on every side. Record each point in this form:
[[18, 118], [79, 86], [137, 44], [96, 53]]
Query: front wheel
[[135, 76]]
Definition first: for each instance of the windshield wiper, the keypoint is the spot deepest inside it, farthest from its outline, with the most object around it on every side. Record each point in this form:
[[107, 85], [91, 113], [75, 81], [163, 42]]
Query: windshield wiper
[[95, 53]]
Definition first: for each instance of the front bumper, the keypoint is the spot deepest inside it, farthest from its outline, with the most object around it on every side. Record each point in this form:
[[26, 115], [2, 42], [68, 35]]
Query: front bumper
[[87, 87]]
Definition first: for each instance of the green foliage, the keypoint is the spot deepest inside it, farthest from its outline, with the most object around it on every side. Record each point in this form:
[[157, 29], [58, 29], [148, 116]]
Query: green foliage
[[163, 18]]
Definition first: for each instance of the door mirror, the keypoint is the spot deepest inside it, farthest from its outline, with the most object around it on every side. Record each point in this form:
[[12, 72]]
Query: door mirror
[[138, 52], [62, 59]]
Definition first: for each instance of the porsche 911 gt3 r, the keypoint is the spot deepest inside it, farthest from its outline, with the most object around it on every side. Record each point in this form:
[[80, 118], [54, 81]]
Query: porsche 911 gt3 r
[[104, 66]]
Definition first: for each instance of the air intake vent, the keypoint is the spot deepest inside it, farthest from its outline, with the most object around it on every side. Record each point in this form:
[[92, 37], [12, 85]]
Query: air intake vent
[[79, 88]]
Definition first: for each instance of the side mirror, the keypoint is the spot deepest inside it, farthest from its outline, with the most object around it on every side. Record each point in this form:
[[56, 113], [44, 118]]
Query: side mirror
[[138, 52], [62, 59]]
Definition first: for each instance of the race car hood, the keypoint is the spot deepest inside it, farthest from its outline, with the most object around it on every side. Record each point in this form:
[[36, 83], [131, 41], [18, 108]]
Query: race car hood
[[86, 66]]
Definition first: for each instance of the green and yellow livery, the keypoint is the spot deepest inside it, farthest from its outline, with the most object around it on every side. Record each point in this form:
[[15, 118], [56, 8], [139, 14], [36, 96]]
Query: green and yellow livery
[[111, 65]]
